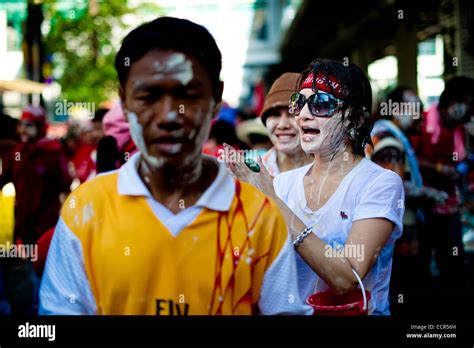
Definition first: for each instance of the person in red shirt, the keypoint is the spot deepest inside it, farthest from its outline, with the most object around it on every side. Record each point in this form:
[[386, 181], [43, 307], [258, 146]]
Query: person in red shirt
[[84, 159], [38, 169], [442, 148]]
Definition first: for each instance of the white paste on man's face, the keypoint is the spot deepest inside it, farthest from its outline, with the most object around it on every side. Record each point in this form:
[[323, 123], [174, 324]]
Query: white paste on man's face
[[171, 116], [176, 66], [136, 131]]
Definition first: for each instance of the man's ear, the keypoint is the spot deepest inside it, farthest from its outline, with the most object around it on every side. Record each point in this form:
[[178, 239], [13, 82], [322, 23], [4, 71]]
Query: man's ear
[[220, 90], [121, 92]]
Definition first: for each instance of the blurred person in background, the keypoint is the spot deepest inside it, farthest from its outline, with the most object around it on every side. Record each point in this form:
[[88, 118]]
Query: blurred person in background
[[393, 149], [84, 158], [254, 134], [70, 140], [117, 146], [223, 131], [84, 149], [442, 149], [38, 168]]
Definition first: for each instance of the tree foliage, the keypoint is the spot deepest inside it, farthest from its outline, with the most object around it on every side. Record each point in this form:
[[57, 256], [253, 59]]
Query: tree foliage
[[81, 45]]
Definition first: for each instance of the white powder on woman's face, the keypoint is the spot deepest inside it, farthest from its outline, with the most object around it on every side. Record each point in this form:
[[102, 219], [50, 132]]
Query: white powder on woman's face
[[286, 146], [327, 141], [136, 131], [176, 66]]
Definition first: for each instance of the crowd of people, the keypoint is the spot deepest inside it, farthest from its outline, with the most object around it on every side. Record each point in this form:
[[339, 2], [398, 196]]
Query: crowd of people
[[172, 202]]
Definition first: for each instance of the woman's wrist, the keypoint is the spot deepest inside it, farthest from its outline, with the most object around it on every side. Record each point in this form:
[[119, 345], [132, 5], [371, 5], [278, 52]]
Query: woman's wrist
[[270, 192]]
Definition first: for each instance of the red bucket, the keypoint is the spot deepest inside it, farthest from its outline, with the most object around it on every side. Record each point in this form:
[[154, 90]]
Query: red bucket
[[328, 303], [355, 302]]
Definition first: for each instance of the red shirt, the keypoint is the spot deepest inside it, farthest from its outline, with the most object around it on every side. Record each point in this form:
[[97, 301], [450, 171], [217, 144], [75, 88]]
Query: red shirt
[[40, 174], [83, 161], [440, 152]]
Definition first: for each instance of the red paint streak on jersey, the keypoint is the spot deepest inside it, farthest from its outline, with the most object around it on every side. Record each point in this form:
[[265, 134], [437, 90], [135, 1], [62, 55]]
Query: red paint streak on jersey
[[218, 287]]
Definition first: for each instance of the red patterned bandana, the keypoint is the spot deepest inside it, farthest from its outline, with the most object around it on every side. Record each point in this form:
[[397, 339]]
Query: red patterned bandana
[[326, 83]]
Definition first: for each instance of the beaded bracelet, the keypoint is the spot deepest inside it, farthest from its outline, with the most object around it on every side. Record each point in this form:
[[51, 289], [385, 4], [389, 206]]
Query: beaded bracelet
[[301, 236]]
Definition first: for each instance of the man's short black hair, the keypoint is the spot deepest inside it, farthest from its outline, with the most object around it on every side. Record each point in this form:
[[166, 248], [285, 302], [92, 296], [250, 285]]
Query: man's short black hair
[[169, 33], [359, 98]]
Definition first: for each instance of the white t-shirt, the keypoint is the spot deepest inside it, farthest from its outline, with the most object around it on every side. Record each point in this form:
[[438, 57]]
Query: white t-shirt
[[270, 162], [367, 191]]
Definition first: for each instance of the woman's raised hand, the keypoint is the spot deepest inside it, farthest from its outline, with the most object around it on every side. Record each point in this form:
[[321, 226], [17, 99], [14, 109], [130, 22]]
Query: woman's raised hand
[[235, 161]]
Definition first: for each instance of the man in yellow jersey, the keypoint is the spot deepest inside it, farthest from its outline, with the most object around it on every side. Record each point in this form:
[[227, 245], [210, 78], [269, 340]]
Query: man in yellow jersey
[[170, 232]]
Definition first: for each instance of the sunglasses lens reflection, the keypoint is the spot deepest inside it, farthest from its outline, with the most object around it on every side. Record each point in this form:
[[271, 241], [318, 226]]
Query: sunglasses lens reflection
[[297, 101], [319, 104]]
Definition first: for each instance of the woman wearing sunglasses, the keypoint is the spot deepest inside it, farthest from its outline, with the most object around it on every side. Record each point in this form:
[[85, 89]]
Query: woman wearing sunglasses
[[343, 211]]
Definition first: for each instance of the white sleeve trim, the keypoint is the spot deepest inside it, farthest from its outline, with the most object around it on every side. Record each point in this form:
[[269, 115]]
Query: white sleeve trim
[[65, 288], [279, 293]]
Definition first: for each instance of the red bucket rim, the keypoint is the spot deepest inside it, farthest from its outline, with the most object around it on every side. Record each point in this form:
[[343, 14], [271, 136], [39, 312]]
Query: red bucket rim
[[338, 307]]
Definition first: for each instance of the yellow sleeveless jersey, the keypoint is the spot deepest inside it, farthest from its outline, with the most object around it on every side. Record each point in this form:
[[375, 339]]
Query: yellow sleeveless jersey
[[134, 265]]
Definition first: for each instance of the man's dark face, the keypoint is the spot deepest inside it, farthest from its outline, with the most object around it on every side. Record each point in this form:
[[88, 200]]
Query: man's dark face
[[27, 130], [169, 102]]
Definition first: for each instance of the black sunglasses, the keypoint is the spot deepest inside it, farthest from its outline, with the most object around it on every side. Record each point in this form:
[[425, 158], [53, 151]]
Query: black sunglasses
[[320, 104]]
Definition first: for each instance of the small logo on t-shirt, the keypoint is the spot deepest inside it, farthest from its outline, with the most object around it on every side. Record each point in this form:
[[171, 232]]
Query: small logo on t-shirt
[[343, 215]]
